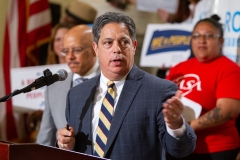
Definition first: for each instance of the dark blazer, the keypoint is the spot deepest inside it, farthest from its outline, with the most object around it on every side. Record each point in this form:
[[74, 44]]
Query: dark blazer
[[138, 130]]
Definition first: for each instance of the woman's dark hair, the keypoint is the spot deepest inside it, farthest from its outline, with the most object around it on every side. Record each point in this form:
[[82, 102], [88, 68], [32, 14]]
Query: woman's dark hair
[[52, 57], [214, 21], [183, 11]]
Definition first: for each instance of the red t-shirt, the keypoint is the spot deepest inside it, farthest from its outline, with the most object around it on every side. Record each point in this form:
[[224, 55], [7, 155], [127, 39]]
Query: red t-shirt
[[204, 83]]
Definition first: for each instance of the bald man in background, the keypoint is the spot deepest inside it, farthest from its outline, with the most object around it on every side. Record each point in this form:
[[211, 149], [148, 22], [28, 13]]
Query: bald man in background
[[82, 61]]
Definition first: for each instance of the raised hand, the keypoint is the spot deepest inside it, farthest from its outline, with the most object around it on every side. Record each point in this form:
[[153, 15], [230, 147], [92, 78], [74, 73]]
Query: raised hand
[[172, 111]]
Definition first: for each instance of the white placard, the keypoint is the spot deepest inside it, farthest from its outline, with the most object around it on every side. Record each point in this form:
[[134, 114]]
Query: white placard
[[229, 11], [22, 77], [192, 110], [152, 5], [166, 44]]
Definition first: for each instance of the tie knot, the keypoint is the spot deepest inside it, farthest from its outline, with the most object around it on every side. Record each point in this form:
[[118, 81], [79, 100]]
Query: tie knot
[[110, 84], [83, 79], [79, 80]]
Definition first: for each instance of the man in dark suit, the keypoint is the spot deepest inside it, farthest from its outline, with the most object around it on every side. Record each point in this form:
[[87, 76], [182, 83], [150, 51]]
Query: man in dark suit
[[146, 119], [84, 65]]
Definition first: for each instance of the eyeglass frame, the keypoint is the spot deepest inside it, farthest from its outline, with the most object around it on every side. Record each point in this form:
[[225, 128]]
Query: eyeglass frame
[[206, 36], [74, 49]]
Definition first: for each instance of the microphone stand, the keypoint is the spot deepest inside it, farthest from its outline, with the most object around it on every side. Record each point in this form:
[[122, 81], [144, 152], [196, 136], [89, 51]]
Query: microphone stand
[[40, 82]]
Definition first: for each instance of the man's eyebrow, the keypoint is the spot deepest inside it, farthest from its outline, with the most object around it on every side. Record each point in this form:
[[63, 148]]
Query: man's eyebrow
[[108, 39], [72, 48], [124, 38]]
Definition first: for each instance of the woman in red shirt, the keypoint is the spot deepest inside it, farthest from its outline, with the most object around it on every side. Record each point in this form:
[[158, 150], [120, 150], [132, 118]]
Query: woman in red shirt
[[211, 80]]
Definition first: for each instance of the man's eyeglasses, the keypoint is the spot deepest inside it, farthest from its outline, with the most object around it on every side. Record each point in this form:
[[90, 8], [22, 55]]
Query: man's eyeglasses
[[76, 51], [207, 36]]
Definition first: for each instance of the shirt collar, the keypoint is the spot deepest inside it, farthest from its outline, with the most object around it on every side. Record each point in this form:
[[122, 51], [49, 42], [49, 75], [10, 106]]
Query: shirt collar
[[104, 80]]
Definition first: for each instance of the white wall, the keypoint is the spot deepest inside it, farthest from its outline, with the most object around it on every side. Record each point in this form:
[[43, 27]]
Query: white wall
[[229, 11]]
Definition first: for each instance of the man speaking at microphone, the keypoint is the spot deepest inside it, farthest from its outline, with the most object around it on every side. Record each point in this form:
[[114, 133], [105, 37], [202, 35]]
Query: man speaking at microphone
[[124, 113], [81, 59]]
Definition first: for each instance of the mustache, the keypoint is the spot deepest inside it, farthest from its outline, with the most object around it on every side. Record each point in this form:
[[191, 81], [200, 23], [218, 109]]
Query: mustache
[[73, 62], [117, 57]]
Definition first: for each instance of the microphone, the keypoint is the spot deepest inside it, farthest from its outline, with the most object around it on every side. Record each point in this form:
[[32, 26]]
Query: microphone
[[47, 79], [62, 74]]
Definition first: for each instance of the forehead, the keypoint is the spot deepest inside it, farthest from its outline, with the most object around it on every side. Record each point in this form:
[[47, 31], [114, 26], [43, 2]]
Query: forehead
[[111, 30], [76, 39], [205, 26], [62, 30]]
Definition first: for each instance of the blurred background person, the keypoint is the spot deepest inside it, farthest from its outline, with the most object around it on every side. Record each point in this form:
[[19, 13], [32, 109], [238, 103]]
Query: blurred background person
[[54, 57], [211, 80], [183, 12], [78, 12], [188, 11], [121, 4], [81, 59], [56, 44]]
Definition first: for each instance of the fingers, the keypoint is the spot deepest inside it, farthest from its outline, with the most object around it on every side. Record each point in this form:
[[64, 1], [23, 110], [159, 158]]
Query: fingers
[[178, 94], [159, 10], [169, 117], [66, 138], [172, 111], [163, 14], [174, 104]]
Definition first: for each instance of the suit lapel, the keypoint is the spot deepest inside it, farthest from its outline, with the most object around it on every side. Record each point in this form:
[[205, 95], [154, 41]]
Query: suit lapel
[[129, 91], [85, 112]]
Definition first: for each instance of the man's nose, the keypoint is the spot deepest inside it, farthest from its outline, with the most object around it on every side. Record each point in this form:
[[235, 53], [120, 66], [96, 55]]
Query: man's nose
[[116, 47], [71, 55]]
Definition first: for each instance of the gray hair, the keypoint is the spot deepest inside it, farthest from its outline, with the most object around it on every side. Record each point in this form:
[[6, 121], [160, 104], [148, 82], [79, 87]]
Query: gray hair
[[113, 17]]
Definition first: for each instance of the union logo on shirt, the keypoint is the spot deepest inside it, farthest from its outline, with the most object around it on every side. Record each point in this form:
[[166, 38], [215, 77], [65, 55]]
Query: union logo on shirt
[[188, 82]]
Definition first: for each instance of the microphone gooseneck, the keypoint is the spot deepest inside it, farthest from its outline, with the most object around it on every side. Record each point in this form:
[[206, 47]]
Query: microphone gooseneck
[[45, 80]]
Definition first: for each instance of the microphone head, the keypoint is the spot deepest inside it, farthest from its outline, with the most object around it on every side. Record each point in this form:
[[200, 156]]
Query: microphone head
[[62, 74]]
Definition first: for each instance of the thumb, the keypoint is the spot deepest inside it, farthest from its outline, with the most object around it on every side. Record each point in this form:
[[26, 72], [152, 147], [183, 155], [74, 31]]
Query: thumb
[[178, 94]]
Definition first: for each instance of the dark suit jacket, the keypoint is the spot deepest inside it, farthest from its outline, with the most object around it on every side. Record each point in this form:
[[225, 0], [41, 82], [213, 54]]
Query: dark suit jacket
[[138, 130]]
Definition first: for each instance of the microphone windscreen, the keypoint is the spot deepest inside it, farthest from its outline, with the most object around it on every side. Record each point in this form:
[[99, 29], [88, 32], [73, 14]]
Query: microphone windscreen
[[62, 74]]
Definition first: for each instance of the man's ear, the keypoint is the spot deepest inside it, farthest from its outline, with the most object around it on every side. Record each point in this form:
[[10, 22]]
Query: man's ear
[[134, 46], [95, 47]]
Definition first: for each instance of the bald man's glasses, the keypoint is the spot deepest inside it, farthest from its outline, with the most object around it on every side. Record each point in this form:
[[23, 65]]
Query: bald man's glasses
[[76, 50]]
